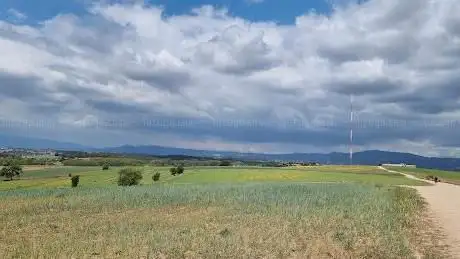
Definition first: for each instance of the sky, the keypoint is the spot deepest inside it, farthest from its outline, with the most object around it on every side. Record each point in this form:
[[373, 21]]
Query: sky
[[243, 75]]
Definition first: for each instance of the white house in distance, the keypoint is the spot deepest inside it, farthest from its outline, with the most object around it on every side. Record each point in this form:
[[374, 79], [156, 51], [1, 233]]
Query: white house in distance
[[399, 165]]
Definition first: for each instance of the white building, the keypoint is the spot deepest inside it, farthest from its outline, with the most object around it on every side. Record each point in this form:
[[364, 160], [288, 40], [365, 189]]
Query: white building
[[399, 165]]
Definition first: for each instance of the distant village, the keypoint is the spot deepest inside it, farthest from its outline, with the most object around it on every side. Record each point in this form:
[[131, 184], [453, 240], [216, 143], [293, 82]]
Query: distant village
[[28, 153]]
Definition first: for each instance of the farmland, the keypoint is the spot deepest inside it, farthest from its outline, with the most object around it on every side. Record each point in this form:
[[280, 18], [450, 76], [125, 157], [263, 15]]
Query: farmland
[[445, 176], [57, 177], [209, 212]]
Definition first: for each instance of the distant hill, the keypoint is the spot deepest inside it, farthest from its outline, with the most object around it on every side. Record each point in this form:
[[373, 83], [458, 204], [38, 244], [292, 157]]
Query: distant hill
[[371, 157], [36, 143]]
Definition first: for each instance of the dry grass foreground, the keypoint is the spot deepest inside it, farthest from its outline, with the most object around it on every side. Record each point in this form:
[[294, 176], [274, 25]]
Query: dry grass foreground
[[216, 221]]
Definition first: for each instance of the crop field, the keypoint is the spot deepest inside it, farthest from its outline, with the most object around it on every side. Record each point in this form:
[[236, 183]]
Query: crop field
[[336, 174], [94, 176], [446, 176], [58, 171], [324, 212]]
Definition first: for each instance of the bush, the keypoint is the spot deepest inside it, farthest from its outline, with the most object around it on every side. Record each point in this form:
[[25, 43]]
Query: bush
[[105, 166], [156, 177], [75, 180], [180, 169], [70, 175], [129, 177], [433, 178], [177, 170], [225, 163]]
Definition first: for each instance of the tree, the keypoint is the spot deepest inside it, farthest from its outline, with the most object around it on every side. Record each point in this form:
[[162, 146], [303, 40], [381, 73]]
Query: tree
[[11, 170], [105, 166], [75, 180], [156, 177], [180, 169], [129, 177], [172, 170], [225, 163]]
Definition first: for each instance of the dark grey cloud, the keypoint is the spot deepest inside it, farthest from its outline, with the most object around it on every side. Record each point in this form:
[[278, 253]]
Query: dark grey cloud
[[165, 79], [395, 48], [251, 58], [452, 24], [430, 99], [111, 106], [20, 87], [363, 87]]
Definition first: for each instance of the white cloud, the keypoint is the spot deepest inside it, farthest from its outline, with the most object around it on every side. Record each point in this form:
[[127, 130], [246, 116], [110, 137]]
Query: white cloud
[[255, 1], [16, 15], [129, 63]]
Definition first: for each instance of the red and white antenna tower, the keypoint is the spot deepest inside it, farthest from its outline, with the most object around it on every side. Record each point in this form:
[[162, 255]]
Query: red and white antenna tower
[[351, 129]]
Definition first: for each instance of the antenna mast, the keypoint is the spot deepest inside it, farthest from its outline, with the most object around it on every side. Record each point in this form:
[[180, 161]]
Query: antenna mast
[[351, 129]]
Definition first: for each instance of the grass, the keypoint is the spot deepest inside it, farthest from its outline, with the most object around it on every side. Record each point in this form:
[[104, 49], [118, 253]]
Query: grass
[[58, 171], [307, 212], [251, 220], [58, 178], [446, 176], [219, 175], [95, 176]]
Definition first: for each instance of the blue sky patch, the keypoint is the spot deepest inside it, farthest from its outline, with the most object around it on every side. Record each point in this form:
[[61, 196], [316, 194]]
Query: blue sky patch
[[283, 12]]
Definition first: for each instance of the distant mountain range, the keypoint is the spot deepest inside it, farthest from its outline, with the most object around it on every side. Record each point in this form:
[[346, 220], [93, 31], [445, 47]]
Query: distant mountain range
[[37, 143], [371, 157]]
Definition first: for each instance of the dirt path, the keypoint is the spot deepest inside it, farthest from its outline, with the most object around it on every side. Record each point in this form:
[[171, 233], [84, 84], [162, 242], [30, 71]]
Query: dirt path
[[444, 202]]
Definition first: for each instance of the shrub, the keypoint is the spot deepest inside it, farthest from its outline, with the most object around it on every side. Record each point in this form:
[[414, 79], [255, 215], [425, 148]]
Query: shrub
[[433, 178], [105, 166], [172, 170], [129, 177], [225, 163], [156, 177], [180, 169], [75, 180], [70, 175]]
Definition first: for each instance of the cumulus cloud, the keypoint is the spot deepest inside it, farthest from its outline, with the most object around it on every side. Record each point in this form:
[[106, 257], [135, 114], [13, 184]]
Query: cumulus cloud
[[128, 74], [16, 15]]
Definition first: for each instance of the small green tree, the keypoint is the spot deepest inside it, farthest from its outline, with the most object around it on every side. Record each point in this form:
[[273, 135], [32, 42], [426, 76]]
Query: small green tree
[[172, 170], [105, 166], [180, 169], [10, 170], [156, 177], [129, 177], [75, 180], [225, 163]]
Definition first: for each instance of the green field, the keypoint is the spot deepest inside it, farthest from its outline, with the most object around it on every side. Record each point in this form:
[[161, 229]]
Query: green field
[[308, 175], [215, 212], [94, 176], [446, 176], [35, 173]]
